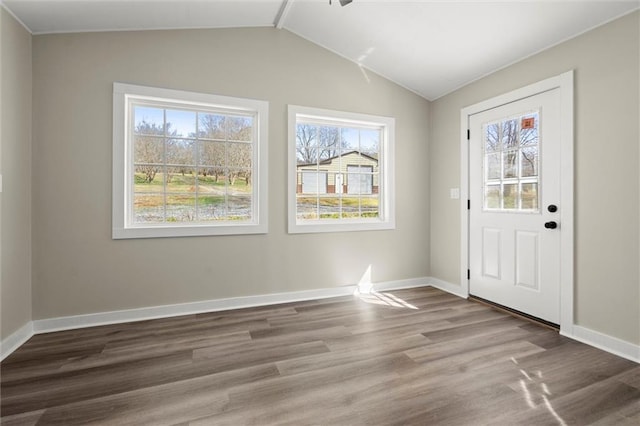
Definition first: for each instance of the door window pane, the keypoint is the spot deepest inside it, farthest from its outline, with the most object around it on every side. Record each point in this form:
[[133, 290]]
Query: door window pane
[[493, 166], [510, 196], [529, 196], [529, 161], [492, 197], [511, 163]]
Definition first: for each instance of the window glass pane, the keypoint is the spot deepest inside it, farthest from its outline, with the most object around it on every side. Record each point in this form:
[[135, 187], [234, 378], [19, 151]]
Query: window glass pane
[[239, 128], [370, 142], [354, 181], [492, 137], [306, 207], [492, 197], [350, 206], [181, 123], [148, 120], [141, 179], [493, 170], [306, 144], [149, 150], [212, 205], [211, 126], [510, 196], [329, 142], [181, 208], [210, 182], [509, 134], [148, 208], [211, 153], [148, 176], [180, 179], [366, 183], [313, 182], [369, 207], [529, 161], [349, 139], [529, 196], [243, 184], [330, 207], [180, 151], [239, 182], [239, 207], [529, 130], [510, 169], [239, 155]]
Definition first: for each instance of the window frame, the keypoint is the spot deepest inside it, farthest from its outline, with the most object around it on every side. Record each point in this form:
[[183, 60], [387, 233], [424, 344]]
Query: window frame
[[122, 167], [386, 165]]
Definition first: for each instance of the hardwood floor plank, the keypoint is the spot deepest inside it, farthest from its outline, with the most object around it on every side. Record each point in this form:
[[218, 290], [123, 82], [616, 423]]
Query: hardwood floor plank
[[582, 407], [165, 404], [30, 418], [252, 354], [407, 357], [435, 351], [631, 377]]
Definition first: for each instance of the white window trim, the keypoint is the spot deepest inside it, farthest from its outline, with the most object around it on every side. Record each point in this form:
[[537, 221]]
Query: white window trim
[[387, 172], [121, 180]]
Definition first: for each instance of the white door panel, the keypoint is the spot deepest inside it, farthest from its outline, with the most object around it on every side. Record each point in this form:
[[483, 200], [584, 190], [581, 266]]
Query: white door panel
[[514, 175]]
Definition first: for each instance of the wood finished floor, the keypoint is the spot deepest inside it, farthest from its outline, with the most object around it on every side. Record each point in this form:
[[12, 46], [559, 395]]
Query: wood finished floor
[[405, 357]]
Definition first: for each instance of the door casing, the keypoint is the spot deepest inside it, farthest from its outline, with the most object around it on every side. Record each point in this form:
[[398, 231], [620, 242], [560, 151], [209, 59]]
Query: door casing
[[563, 82]]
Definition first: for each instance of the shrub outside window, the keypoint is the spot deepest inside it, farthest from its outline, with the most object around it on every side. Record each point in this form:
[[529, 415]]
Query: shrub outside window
[[340, 171], [187, 164]]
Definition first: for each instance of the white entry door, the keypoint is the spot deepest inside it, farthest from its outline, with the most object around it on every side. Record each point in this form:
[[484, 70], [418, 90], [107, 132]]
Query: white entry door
[[514, 213]]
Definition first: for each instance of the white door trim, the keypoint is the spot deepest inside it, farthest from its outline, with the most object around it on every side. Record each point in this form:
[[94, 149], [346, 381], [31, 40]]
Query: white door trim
[[563, 82]]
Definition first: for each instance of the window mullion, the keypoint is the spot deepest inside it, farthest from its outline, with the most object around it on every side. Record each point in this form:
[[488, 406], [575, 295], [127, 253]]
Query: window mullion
[[164, 163]]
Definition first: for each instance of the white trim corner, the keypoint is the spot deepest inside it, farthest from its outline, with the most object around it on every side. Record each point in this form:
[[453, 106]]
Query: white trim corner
[[15, 340], [455, 289], [607, 343]]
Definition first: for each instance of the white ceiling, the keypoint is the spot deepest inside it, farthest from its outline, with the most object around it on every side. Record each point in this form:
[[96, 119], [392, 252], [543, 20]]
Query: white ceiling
[[430, 47]]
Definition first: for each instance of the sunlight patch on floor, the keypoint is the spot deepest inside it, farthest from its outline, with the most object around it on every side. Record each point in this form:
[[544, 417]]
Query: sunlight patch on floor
[[532, 391], [386, 298]]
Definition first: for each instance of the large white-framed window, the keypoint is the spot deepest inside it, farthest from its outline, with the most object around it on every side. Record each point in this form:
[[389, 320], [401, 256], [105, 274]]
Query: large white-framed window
[[187, 164], [341, 171]]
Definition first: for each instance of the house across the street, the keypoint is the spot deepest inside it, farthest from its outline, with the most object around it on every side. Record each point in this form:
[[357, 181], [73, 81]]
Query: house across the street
[[352, 172]]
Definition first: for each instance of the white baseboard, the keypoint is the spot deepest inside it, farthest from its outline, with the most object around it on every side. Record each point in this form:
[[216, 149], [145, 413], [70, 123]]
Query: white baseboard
[[605, 342], [7, 346], [598, 340], [166, 311], [400, 284], [15, 340], [448, 287]]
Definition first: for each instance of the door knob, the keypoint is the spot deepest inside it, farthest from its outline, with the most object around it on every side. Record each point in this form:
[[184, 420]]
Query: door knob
[[551, 225]]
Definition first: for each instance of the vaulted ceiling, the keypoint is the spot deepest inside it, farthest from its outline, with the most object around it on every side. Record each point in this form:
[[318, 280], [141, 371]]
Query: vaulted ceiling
[[429, 47]]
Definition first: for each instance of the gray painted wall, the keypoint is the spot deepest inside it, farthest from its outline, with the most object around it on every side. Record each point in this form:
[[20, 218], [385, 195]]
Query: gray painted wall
[[607, 183], [15, 166], [79, 269]]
